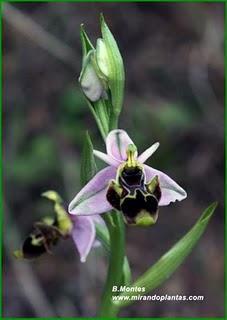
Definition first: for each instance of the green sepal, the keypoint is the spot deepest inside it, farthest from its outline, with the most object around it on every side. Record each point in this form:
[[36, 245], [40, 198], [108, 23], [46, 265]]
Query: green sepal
[[171, 260], [88, 166]]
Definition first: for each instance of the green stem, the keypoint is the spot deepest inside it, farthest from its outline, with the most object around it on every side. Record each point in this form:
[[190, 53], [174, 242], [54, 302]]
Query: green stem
[[103, 236], [115, 226], [113, 120], [118, 270]]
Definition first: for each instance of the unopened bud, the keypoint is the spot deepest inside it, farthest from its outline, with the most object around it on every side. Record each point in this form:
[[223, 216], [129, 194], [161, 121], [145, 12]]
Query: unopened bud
[[90, 82]]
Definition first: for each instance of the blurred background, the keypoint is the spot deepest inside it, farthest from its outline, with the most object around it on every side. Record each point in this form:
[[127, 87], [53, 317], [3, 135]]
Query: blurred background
[[173, 55]]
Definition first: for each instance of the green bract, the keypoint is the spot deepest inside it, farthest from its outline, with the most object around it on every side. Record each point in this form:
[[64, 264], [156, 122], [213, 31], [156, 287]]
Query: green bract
[[116, 77], [88, 166]]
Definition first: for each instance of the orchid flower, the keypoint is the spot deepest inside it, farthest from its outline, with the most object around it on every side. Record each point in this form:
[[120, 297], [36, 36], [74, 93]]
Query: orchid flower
[[47, 232], [108, 188]]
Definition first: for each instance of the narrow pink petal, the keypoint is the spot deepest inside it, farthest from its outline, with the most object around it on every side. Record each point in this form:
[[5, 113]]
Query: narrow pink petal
[[171, 191], [117, 142], [92, 198], [83, 235], [106, 158], [147, 153]]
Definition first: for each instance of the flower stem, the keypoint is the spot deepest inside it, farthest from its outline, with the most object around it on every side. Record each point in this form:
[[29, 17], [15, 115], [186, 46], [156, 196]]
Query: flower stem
[[113, 120], [115, 226], [103, 236]]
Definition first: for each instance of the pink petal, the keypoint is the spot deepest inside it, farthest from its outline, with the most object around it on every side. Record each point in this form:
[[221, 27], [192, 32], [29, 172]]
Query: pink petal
[[83, 235], [97, 219], [148, 152], [106, 158], [171, 191], [92, 198], [117, 142]]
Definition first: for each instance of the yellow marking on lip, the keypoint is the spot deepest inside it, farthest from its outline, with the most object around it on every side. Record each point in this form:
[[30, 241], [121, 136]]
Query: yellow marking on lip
[[131, 156]]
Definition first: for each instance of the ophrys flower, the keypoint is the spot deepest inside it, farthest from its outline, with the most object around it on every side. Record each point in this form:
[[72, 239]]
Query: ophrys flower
[[47, 232], [127, 184]]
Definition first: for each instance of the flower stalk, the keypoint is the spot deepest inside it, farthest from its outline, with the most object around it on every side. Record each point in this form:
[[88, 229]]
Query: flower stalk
[[113, 239], [115, 226], [103, 236]]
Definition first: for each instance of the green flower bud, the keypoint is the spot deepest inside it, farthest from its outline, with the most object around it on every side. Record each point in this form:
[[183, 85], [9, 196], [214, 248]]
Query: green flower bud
[[102, 78]]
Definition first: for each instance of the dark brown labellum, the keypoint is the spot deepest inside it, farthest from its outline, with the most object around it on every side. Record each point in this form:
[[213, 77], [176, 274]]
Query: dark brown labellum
[[136, 200], [40, 240], [133, 206]]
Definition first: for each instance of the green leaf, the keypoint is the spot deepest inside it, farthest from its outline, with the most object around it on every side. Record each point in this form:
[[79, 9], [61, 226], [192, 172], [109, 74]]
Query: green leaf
[[88, 166], [85, 41], [170, 261], [116, 74], [101, 110], [100, 113]]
